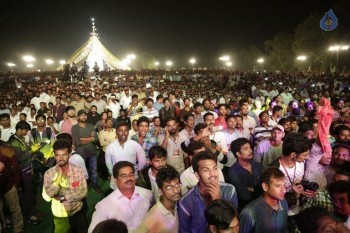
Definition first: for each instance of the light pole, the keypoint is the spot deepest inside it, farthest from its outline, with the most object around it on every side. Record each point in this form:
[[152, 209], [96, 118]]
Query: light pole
[[301, 58], [337, 48], [49, 62], [261, 61], [192, 61], [11, 65], [224, 59], [156, 64]]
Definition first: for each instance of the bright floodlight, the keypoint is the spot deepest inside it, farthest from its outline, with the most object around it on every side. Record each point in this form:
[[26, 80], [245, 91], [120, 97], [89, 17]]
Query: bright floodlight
[[28, 58], [156, 63], [131, 56], [169, 63], [224, 58], [49, 61], [192, 61], [229, 63], [29, 65], [92, 19], [338, 47], [301, 58], [126, 61], [10, 64], [62, 62], [261, 60]]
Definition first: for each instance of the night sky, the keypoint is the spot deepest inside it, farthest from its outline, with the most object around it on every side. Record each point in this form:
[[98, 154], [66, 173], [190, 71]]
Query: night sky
[[167, 29]]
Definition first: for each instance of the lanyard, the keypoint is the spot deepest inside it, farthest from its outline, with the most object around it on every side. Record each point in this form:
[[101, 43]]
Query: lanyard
[[295, 168], [174, 141]]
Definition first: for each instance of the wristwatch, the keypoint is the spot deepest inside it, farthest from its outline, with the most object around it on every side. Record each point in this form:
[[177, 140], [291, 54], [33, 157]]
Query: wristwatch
[[62, 199]]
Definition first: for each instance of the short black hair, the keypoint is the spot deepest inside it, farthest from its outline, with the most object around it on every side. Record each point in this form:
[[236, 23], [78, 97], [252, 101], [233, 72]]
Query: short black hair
[[157, 151], [271, 172], [110, 226], [62, 144], [295, 142], [340, 187], [239, 116], [237, 144], [5, 115], [166, 174], [308, 219], [159, 97], [188, 116], [23, 125], [220, 214], [195, 105], [283, 121], [262, 113], [122, 123], [276, 108], [142, 119], [121, 164], [134, 96], [194, 145], [199, 157], [198, 127], [169, 119], [149, 100], [40, 115], [207, 114], [305, 126], [65, 136], [340, 128]]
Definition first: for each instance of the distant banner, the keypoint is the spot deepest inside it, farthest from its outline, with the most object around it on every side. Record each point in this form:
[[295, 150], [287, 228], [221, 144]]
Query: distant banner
[[329, 21]]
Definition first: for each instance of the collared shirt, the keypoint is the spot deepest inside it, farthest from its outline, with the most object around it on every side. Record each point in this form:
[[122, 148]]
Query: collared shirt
[[117, 206], [148, 142], [159, 219], [175, 156], [221, 121], [73, 188], [259, 217], [106, 137], [189, 179], [6, 133], [131, 151], [243, 179], [100, 105], [191, 208], [230, 137]]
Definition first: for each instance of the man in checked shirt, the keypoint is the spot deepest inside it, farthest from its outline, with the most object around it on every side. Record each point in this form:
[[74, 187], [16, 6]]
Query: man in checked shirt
[[65, 186]]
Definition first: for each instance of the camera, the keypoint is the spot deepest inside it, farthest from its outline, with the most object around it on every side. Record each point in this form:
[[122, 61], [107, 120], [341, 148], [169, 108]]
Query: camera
[[307, 185]]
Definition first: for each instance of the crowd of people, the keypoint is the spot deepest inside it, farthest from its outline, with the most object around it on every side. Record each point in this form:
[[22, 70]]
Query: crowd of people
[[183, 151]]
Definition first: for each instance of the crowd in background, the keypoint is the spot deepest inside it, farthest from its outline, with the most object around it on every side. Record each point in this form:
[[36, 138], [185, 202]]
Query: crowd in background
[[252, 145]]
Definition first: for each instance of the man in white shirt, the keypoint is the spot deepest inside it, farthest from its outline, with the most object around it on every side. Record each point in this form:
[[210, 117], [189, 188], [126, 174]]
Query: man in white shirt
[[128, 203], [124, 149], [286, 96], [125, 99], [114, 106], [6, 129], [206, 106], [248, 121]]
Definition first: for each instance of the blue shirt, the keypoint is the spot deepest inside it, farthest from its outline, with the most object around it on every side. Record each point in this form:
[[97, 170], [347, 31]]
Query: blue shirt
[[259, 217], [191, 208], [242, 179]]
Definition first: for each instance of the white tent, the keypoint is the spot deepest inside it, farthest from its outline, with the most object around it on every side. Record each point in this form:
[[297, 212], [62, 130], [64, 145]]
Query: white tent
[[94, 51]]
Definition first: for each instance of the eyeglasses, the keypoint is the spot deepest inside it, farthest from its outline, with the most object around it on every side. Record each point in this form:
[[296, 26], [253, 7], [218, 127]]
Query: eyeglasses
[[173, 187]]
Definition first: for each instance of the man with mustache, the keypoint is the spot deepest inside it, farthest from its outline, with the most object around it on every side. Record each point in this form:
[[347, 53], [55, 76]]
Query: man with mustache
[[147, 178], [163, 217], [192, 206], [127, 203]]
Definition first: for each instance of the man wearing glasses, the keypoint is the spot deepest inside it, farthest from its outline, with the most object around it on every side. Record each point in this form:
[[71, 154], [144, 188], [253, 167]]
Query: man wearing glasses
[[163, 215], [128, 203]]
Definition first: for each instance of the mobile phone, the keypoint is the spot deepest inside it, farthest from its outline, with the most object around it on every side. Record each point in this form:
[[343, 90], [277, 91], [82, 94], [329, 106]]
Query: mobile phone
[[217, 128]]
